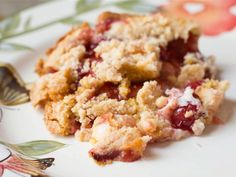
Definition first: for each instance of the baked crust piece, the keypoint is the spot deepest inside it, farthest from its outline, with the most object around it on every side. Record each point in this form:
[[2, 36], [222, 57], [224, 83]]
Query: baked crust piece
[[52, 87], [59, 118], [131, 80]]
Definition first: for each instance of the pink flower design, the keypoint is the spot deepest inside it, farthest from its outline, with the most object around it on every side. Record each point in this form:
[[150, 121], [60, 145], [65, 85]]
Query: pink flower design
[[1, 170], [214, 16]]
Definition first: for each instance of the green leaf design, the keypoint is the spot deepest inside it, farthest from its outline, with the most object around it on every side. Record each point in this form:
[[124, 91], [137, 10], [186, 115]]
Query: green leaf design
[[9, 28], [1, 114], [13, 47], [127, 4], [135, 5], [71, 21], [9, 25], [86, 5], [27, 23], [35, 148]]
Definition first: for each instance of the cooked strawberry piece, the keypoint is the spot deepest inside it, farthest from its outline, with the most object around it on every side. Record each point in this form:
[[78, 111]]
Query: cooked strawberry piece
[[177, 49], [104, 157], [125, 156], [178, 119], [75, 127]]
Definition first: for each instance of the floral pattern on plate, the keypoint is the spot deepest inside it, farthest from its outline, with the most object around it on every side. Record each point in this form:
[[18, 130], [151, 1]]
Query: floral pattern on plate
[[24, 154], [20, 159], [214, 17]]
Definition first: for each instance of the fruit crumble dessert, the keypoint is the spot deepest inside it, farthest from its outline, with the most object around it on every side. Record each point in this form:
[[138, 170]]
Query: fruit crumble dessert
[[129, 81]]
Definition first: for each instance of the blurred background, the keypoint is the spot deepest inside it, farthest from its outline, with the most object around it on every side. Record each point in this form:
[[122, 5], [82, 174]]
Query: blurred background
[[213, 16], [8, 7]]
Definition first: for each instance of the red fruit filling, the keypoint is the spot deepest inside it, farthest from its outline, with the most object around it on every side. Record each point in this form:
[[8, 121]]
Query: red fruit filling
[[134, 88], [105, 25], [208, 74], [90, 40], [82, 74], [91, 45], [104, 157], [110, 89], [177, 49], [125, 156], [178, 119], [195, 84], [75, 127]]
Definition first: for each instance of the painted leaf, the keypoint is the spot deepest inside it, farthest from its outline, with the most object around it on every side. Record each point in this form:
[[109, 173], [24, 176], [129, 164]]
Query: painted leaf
[[36, 148], [13, 47], [1, 114], [127, 4], [71, 21], [12, 88], [86, 5], [1, 170], [135, 5], [9, 25], [27, 23]]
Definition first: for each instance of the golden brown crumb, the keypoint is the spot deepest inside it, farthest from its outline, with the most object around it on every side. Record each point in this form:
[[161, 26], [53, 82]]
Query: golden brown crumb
[[51, 87], [58, 116]]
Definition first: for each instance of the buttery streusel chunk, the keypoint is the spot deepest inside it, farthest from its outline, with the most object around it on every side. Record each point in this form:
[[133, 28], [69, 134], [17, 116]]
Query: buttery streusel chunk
[[52, 87], [59, 117], [129, 81]]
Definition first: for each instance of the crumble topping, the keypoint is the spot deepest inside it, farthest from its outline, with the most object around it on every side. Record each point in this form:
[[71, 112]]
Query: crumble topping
[[128, 145], [156, 25], [130, 81], [136, 60], [198, 127], [52, 87], [59, 118], [148, 94]]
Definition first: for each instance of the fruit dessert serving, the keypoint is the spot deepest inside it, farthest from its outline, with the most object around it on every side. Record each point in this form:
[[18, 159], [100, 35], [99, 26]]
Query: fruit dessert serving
[[129, 81]]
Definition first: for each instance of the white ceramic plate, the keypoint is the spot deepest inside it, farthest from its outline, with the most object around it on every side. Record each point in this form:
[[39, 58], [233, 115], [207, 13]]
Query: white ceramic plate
[[211, 155]]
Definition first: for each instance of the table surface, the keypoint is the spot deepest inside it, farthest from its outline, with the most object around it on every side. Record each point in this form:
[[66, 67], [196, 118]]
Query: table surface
[[9, 7]]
